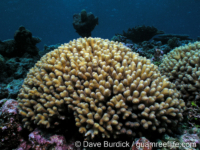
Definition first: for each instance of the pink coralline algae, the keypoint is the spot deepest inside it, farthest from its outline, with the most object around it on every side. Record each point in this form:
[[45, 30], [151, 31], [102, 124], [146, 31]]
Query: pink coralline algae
[[142, 144], [9, 107], [11, 132], [191, 137], [157, 55], [10, 127], [40, 140]]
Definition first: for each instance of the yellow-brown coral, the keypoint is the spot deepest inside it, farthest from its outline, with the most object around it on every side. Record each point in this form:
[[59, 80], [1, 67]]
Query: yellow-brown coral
[[110, 90], [182, 66]]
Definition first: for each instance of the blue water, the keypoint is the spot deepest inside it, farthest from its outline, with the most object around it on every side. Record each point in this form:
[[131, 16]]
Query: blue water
[[52, 19]]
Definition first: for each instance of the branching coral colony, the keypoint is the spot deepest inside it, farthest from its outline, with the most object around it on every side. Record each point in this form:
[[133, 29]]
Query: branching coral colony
[[111, 91], [182, 67]]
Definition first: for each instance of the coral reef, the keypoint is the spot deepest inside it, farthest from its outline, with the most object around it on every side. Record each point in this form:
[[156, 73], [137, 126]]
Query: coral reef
[[16, 58], [11, 89], [145, 49], [48, 49], [84, 23], [141, 33], [13, 70], [10, 127], [151, 50], [16, 68], [173, 42], [182, 66], [119, 38], [23, 45], [164, 38], [110, 90]]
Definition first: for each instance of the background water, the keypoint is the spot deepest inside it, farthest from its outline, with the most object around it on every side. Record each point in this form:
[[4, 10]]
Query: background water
[[52, 20]]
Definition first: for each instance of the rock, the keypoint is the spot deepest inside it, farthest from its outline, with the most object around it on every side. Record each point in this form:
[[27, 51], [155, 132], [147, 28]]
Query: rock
[[10, 126], [17, 56], [11, 89], [13, 136], [13, 71], [40, 140], [191, 138]]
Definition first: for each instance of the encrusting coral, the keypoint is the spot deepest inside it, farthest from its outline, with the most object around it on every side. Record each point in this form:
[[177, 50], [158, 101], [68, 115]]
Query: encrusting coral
[[110, 90], [182, 66]]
